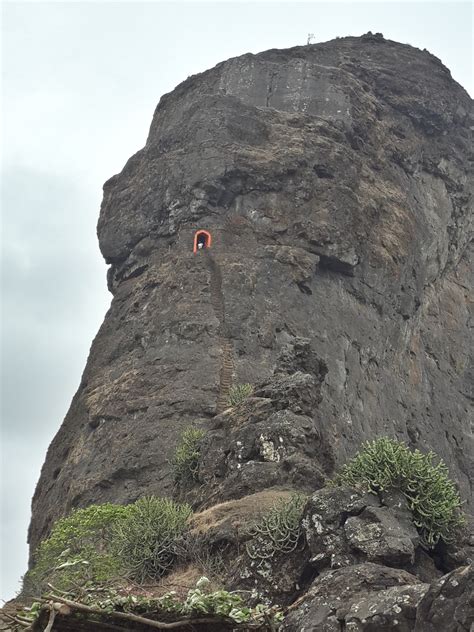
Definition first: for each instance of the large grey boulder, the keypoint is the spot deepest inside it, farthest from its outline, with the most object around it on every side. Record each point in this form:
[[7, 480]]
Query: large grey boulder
[[344, 526], [367, 597], [378, 534]]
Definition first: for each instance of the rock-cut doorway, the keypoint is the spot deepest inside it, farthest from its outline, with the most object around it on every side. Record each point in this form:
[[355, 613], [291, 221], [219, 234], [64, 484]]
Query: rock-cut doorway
[[202, 240]]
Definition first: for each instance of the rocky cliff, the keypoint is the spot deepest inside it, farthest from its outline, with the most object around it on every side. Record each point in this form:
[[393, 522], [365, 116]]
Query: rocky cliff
[[334, 181]]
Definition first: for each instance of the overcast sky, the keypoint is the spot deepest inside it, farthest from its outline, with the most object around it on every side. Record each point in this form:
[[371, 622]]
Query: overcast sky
[[80, 82]]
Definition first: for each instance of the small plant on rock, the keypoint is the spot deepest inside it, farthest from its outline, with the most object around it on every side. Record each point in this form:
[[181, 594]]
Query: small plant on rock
[[434, 501], [151, 536], [239, 393], [186, 457], [277, 531], [222, 603]]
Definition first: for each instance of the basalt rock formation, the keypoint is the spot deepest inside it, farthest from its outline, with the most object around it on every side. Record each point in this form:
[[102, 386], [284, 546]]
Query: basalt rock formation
[[334, 180]]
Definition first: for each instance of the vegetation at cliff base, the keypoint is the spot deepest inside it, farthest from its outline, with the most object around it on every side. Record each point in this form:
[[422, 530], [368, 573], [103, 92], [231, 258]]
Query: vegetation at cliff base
[[434, 501], [149, 538], [88, 566], [104, 542], [78, 549], [186, 457], [110, 609]]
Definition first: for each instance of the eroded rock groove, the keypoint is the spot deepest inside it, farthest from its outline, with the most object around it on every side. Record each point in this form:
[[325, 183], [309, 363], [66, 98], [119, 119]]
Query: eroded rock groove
[[226, 345]]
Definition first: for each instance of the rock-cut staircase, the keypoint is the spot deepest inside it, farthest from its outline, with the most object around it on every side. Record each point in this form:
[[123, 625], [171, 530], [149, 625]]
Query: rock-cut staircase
[[226, 345]]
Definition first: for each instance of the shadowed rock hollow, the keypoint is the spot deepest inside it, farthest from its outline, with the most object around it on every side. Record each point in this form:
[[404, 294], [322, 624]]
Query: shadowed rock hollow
[[334, 180]]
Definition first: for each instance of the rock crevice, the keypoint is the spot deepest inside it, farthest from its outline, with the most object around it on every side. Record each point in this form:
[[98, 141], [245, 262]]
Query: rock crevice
[[226, 344]]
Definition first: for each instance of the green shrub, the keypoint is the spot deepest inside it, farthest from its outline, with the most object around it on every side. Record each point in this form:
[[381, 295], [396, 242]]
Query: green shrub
[[277, 531], [186, 457], [77, 551], [239, 393], [432, 497], [151, 536], [105, 543]]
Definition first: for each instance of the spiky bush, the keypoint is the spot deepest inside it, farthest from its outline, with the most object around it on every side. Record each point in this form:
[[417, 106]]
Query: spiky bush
[[186, 457], [277, 531], [151, 536], [434, 501], [77, 550], [106, 543], [239, 393]]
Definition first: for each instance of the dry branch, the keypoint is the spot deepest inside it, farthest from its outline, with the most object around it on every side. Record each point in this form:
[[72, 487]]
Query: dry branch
[[52, 616], [126, 616]]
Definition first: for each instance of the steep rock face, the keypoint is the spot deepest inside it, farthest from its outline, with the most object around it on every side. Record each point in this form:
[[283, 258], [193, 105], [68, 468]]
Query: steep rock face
[[335, 182]]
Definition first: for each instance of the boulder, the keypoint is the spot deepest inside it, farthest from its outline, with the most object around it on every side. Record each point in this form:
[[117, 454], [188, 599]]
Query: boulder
[[448, 605], [360, 597], [378, 533], [344, 526]]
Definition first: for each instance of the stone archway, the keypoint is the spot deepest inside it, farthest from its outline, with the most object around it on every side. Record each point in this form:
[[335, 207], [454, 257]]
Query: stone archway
[[202, 239]]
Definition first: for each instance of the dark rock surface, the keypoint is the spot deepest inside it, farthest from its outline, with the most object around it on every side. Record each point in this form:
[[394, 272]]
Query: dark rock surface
[[449, 603], [268, 441], [335, 182], [344, 527], [367, 597], [461, 550]]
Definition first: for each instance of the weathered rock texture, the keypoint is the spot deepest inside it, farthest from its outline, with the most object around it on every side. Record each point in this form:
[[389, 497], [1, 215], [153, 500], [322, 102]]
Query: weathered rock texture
[[355, 563], [335, 181]]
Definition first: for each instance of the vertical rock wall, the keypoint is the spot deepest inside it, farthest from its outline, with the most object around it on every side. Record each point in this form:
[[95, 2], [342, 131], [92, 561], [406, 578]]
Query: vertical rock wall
[[335, 180]]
